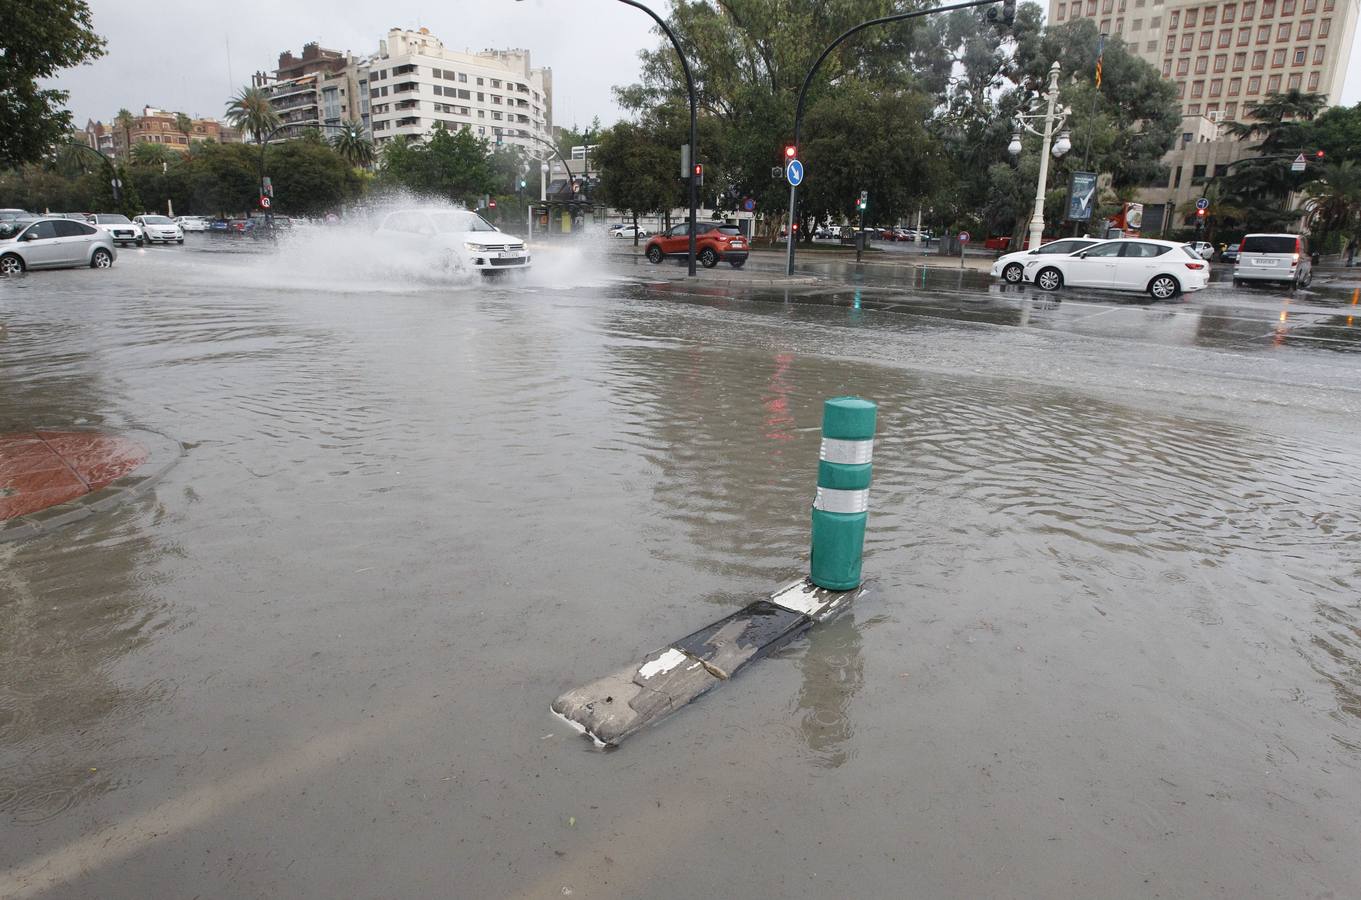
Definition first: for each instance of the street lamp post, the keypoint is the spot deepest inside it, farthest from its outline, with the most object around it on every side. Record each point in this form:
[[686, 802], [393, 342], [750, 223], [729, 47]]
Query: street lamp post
[[1060, 147]]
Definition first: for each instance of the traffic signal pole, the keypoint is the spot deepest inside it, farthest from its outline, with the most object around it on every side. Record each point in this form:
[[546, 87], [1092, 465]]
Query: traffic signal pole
[[1009, 11]]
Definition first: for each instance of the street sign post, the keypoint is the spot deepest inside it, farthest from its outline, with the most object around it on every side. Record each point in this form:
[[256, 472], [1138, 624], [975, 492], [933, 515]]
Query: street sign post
[[793, 173], [1203, 203], [963, 239], [1298, 164], [748, 205], [264, 201]]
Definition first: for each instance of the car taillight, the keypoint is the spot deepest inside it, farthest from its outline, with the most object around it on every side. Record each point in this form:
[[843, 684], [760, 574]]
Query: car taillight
[[1195, 265], [1295, 260]]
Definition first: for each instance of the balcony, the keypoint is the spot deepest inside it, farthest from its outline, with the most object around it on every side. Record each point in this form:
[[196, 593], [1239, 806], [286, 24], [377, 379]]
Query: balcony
[[408, 122], [407, 104], [406, 86]]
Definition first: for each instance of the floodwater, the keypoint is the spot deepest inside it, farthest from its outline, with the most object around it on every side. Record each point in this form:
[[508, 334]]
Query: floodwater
[[1116, 653]]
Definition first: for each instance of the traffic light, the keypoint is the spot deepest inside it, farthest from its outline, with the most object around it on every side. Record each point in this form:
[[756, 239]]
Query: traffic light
[[790, 152], [1007, 15], [698, 173], [1319, 156], [491, 204], [522, 184]]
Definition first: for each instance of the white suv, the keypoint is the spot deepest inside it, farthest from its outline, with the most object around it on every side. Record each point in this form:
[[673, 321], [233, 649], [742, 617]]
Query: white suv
[[123, 229]]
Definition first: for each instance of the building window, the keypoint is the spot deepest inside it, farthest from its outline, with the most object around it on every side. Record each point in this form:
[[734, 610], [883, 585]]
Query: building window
[[1240, 62], [1268, 9], [1259, 59], [1226, 37], [1278, 58], [1062, 13], [1283, 31], [1193, 109], [1138, 25], [1216, 87], [1091, 7], [481, 97], [1231, 110], [1221, 62], [1327, 5], [1197, 89], [1310, 6], [1273, 84], [1228, 14], [1106, 25], [1176, 178], [1299, 56], [1167, 68], [1244, 35], [1171, 44], [1249, 10], [1306, 31], [1107, 5], [1181, 89], [1255, 84], [1197, 174], [1202, 65], [1235, 87], [1293, 82], [1208, 17], [1211, 109], [1187, 42], [1191, 18], [1324, 26], [1263, 34], [1318, 55], [1183, 65], [1288, 7], [1172, 19], [1155, 22], [1206, 39], [1313, 81]]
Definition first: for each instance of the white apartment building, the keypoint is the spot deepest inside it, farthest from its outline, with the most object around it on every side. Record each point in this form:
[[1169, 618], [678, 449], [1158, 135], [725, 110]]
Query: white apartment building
[[415, 83]]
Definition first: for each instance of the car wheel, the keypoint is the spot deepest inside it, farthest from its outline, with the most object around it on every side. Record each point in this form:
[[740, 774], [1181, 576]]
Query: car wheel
[[11, 264], [654, 254], [179, 240], [1049, 279], [708, 258], [1012, 273], [139, 242], [101, 259], [737, 263], [1164, 287]]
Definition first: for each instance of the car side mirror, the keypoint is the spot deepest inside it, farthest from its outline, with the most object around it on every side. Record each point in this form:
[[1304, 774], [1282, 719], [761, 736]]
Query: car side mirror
[[26, 236], [1082, 255]]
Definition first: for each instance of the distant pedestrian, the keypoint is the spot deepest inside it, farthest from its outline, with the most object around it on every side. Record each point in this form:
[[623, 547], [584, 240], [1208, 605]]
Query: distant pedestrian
[[1351, 252]]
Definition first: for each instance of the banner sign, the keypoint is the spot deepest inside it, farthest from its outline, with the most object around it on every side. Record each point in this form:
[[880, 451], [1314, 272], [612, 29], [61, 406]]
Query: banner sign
[[1081, 196]]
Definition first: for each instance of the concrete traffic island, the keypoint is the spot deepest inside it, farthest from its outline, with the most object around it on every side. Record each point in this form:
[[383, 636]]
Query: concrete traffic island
[[623, 702], [50, 478]]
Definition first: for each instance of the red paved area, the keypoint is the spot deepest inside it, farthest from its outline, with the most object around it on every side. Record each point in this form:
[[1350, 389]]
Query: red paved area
[[39, 469]]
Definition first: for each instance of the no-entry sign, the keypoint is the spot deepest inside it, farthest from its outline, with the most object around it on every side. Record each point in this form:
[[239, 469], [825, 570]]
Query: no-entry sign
[[264, 202]]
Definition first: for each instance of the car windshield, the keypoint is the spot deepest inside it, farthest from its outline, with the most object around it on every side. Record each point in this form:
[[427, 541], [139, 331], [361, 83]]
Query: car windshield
[[728, 229], [113, 220], [156, 220], [1269, 243], [453, 222]]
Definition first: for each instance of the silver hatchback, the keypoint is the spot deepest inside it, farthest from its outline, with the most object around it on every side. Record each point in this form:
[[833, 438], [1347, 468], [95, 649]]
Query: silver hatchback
[[54, 244]]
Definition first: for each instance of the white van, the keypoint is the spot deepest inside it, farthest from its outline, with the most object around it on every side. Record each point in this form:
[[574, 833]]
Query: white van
[[1274, 257]]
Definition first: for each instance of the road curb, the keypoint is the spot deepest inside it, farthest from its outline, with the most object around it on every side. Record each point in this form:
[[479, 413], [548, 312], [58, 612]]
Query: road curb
[[162, 454]]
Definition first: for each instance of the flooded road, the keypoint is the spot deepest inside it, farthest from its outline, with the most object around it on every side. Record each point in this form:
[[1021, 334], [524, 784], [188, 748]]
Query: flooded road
[[1117, 650]]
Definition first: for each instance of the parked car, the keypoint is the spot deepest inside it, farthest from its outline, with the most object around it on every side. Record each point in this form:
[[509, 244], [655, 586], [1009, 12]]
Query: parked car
[[12, 220], [1010, 267], [87, 218], [123, 229], [714, 243], [628, 231], [53, 243], [1229, 253], [1163, 269], [192, 223], [456, 238], [220, 225], [160, 229], [1204, 249], [1274, 257]]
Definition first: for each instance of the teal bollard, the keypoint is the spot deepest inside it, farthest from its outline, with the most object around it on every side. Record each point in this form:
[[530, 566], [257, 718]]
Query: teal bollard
[[841, 505]]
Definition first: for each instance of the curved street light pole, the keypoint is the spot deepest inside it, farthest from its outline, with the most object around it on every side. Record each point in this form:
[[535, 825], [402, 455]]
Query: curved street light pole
[[803, 92], [1023, 121], [694, 131]]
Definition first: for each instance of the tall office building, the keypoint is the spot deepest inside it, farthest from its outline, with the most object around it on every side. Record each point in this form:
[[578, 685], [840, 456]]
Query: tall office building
[[415, 83], [1224, 58]]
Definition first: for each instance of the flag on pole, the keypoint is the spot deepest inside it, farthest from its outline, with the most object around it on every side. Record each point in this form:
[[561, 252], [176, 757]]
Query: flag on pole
[[1100, 52]]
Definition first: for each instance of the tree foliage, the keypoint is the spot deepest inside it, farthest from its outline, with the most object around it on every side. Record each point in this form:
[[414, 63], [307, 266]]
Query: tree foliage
[[39, 38], [451, 165], [251, 112]]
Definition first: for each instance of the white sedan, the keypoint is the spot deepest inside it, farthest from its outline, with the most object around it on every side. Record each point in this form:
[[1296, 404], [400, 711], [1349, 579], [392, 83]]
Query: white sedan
[[1162, 268], [160, 229], [192, 223], [454, 238], [1010, 267]]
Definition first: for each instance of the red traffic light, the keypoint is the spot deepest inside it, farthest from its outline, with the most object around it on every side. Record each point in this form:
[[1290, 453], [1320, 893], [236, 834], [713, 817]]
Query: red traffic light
[[791, 151], [492, 204], [1200, 212], [1318, 155], [699, 170]]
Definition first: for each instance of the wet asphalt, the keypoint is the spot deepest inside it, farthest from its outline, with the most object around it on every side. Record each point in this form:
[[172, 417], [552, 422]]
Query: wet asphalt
[[1116, 651]]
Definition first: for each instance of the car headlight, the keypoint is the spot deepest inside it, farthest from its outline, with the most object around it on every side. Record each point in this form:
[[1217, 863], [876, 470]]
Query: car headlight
[[475, 248]]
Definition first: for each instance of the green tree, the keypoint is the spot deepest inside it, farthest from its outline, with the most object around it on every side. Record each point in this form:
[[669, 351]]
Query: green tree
[[251, 112], [454, 166], [39, 38], [636, 171], [222, 179], [310, 177], [125, 121], [185, 126], [353, 145], [147, 153], [1279, 120], [1335, 199]]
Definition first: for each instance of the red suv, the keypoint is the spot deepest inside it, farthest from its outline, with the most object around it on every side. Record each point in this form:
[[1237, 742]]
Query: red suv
[[714, 243]]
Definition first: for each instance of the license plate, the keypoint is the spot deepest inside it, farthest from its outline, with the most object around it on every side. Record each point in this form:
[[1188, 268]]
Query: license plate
[[1264, 262]]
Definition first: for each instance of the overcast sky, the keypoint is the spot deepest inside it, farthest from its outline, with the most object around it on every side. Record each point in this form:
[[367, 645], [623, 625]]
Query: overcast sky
[[175, 55]]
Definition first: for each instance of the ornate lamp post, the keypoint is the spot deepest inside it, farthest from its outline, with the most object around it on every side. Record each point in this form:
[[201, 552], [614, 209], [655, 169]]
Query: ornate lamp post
[[1060, 146]]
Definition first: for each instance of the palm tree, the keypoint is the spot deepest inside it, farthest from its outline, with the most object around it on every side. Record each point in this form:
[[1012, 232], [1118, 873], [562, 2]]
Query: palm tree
[[1336, 198], [184, 125], [250, 111], [125, 121], [149, 154], [353, 145], [1276, 119]]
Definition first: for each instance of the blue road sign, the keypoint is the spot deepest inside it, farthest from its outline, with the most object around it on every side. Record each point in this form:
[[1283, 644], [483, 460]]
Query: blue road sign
[[749, 204], [1202, 203], [793, 172]]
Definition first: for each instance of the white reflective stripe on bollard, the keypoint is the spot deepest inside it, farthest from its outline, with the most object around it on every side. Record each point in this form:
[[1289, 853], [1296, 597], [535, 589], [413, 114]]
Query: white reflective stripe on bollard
[[851, 453], [834, 501]]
